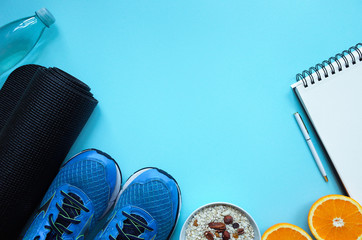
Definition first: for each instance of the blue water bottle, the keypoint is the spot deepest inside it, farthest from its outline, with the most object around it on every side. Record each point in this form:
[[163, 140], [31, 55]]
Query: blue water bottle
[[19, 37]]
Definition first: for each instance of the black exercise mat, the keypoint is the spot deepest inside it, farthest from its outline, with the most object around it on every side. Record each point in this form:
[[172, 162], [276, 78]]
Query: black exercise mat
[[42, 111]]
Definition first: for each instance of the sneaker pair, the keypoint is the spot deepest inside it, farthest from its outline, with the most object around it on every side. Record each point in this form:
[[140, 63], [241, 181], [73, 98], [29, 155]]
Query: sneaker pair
[[89, 185]]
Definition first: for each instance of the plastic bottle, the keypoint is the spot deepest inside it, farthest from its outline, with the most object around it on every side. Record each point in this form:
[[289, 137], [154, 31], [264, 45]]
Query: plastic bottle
[[19, 37]]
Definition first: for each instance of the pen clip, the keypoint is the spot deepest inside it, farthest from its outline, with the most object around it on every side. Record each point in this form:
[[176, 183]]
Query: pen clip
[[303, 122]]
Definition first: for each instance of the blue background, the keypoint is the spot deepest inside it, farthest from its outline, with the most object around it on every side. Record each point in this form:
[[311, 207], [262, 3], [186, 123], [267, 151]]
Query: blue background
[[201, 89]]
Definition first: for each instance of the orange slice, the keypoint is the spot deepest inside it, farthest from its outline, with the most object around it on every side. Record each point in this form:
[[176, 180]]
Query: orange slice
[[336, 217], [285, 231]]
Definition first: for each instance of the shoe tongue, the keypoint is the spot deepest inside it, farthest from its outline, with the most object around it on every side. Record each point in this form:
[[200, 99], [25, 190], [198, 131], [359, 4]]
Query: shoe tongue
[[71, 212], [129, 228], [51, 236]]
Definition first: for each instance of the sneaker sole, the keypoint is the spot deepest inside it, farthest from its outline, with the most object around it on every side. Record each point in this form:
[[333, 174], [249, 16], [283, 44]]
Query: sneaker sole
[[117, 188], [139, 172]]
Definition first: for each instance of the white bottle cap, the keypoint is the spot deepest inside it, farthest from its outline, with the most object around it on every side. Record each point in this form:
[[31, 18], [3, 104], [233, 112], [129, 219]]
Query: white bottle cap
[[45, 16]]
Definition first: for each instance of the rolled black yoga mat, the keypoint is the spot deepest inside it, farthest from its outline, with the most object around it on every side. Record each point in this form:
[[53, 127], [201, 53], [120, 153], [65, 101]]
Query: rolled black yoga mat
[[42, 111]]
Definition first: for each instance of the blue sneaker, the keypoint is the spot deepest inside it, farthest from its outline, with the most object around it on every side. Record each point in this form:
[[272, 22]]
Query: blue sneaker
[[148, 208], [83, 191]]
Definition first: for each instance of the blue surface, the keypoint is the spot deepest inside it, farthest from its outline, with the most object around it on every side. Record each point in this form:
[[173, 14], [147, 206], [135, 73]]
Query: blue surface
[[201, 89]]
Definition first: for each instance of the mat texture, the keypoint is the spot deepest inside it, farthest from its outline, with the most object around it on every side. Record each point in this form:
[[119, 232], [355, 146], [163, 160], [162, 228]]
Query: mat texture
[[42, 111]]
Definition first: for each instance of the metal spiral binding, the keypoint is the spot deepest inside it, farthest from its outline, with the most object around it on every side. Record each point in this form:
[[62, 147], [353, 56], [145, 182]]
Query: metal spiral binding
[[328, 63]]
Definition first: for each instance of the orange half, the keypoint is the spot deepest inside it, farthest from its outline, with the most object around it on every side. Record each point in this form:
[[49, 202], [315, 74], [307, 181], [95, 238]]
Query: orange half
[[285, 231], [336, 217]]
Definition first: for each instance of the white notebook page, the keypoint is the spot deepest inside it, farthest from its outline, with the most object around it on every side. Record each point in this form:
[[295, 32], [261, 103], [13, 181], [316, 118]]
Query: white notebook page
[[334, 106]]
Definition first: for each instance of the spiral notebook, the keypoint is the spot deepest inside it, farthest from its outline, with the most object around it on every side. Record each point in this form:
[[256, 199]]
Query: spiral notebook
[[331, 94]]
